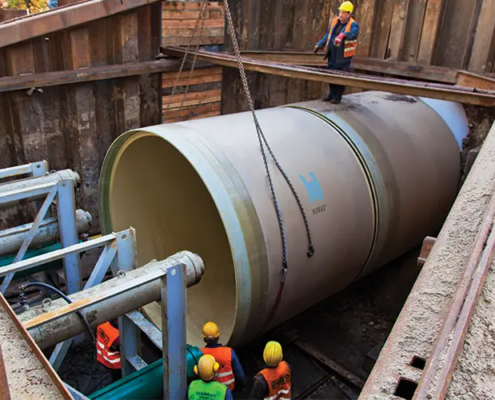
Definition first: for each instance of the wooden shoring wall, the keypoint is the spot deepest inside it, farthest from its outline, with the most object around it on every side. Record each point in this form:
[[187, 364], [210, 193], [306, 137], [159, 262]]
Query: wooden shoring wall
[[203, 95], [458, 34], [73, 125]]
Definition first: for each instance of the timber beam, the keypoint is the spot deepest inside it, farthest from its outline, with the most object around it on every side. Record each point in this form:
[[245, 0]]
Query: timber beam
[[46, 79], [31, 26], [400, 86], [368, 64]]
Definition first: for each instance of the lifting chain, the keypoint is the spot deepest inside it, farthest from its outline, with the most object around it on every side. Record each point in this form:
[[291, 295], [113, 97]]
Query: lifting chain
[[263, 142]]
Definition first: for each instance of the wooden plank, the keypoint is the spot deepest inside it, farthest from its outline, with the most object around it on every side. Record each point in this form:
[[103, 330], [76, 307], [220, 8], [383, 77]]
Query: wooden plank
[[8, 84], [184, 40], [455, 33], [397, 28], [187, 32], [150, 26], [62, 18], [4, 382], [430, 31], [438, 91], [414, 23], [8, 14], [30, 374], [469, 79], [185, 15], [191, 23], [197, 72], [193, 81], [366, 14], [484, 39], [423, 72], [382, 33], [191, 112], [191, 5], [193, 98]]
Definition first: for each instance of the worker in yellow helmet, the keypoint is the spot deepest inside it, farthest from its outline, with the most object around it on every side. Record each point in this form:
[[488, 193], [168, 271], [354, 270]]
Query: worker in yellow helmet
[[231, 371], [275, 381], [340, 45], [206, 388]]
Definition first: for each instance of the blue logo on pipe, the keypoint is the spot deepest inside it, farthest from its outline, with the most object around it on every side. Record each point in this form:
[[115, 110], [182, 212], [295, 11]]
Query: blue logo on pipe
[[313, 188]]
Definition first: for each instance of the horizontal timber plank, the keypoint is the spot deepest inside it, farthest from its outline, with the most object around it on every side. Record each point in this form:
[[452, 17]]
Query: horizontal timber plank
[[196, 72], [424, 72], [35, 25], [184, 40], [424, 89], [201, 116], [195, 80], [189, 5], [190, 112], [191, 23], [187, 32], [45, 79], [173, 14], [194, 98]]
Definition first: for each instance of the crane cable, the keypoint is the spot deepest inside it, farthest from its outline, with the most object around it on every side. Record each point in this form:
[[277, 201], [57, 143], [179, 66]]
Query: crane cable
[[263, 142]]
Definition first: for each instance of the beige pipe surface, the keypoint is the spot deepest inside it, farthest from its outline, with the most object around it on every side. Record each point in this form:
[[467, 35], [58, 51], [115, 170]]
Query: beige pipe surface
[[383, 174]]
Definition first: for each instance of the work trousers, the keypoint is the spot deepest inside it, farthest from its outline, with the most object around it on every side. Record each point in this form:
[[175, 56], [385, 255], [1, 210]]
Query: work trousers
[[336, 91]]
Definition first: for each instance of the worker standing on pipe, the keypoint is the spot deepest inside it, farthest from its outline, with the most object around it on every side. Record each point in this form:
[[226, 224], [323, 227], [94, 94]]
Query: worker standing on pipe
[[231, 371], [340, 45], [107, 347], [207, 388], [275, 381]]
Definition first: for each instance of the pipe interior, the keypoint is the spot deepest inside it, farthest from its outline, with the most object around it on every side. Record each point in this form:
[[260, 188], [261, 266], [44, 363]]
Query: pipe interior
[[158, 192]]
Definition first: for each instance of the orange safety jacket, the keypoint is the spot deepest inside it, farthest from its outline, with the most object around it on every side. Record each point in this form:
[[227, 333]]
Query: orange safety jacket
[[279, 380], [223, 356], [106, 335], [350, 46]]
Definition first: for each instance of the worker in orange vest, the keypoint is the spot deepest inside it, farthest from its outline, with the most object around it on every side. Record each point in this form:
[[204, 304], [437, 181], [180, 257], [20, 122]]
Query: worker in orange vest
[[230, 371], [107, 346], [275, 381], [340, 45]]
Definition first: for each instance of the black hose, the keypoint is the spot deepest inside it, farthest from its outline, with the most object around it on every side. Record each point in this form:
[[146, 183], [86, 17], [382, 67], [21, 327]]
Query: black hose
[[61, 294]]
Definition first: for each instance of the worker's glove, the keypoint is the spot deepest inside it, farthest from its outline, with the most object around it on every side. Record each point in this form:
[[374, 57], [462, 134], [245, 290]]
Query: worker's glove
[[315, 50], [338, 39]]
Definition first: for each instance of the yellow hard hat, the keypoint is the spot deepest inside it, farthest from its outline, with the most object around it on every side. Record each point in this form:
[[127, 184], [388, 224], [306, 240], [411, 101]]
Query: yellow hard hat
[[211, 331], [347, 6], [208, 367], [273, 354]]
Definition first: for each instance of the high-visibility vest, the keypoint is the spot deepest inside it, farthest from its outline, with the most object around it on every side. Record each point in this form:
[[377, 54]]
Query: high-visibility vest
[[279, 380], [200, 390], [350, 46], [106, 335], [223, 356]]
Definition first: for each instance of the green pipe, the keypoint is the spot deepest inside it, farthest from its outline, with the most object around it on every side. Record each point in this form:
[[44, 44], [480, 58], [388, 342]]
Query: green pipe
[[147, 383], [7, 260]]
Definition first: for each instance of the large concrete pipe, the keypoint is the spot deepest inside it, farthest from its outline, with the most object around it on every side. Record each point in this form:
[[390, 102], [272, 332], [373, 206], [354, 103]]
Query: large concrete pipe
[[375, 175]]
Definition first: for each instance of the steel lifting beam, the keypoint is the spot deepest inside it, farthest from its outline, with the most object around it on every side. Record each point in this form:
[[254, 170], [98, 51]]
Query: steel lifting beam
[[400, 86]]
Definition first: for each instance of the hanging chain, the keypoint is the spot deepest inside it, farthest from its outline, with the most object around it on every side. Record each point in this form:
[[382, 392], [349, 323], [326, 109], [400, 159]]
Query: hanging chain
[[201, 18], [263, 142]]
